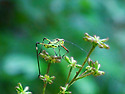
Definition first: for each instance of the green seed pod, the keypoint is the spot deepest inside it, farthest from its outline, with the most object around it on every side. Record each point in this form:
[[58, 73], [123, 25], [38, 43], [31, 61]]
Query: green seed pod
[[26, 88], [106, 46], [99, 73], [20, 86], [52, 77], [18, 89], [90, 39], [104, 40], [100, 45], [85, 38], [88, 67], [67, 59], [78, 66], [96, 65], [87, 35]]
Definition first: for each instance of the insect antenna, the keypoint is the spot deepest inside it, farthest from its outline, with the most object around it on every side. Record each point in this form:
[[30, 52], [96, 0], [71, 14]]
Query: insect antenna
[[76, 46]]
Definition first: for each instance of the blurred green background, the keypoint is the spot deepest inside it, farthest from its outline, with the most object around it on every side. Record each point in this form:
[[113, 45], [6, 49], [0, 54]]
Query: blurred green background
[[24, 22]]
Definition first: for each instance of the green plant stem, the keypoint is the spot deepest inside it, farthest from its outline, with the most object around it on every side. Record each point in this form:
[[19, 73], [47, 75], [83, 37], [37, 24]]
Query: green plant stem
[[44, 87], [69, 75], [77, 73], [84, 73], [45, 83], [48, 68], [82, 76]]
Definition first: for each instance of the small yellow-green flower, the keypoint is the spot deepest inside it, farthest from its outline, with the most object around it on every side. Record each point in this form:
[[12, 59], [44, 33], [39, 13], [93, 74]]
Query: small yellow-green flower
[[72, 62], [96, 40], [94, 68], [20, 90], [46, 78], [63, 90]]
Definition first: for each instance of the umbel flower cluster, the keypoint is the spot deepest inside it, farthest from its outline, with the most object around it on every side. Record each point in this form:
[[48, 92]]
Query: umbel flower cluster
[[46, 78], [72, 62], [50, 59], [94, 68], [20, 89], [96, 40]]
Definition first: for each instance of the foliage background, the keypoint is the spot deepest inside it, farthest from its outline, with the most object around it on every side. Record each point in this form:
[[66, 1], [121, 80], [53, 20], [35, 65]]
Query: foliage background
[[24, 22]]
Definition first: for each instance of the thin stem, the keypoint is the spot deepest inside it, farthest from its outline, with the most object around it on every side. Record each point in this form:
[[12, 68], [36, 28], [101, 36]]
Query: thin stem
[[69, 75], [77, 73], [48, 68], [84, 73], [45, 83], [82, 76], [44, 87], [38, 64], [38, 58]]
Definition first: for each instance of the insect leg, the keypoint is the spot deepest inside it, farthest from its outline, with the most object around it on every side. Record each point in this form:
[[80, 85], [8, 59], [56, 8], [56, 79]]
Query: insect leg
[[38, 57], [65, 49], [59, 51], [55, 51], [45, 39], [40, 52]]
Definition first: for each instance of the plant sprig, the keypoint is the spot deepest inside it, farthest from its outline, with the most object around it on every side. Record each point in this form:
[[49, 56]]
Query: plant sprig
[[20, 89], [93, 68]]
